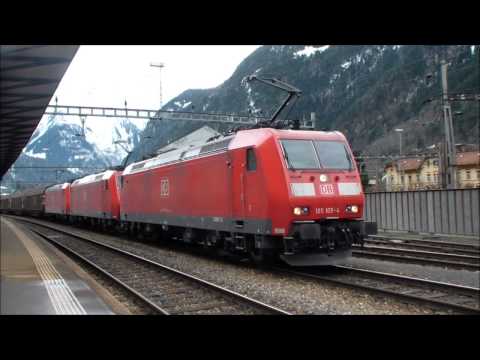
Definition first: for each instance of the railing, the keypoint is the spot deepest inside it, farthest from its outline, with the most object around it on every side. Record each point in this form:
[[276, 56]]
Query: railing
[[430, 211]]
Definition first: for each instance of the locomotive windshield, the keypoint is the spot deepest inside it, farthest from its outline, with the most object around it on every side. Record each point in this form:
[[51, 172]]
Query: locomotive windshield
[[316, 154]]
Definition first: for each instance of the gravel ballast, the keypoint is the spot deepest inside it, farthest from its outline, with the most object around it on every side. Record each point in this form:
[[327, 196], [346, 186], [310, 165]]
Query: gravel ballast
[[293, 294]]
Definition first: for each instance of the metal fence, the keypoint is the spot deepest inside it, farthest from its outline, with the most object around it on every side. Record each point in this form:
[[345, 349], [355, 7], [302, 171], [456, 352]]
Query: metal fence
[[430, 211]]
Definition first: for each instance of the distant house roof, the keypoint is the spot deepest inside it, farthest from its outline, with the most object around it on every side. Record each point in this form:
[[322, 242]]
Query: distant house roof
[[409, 164], [468, 158]]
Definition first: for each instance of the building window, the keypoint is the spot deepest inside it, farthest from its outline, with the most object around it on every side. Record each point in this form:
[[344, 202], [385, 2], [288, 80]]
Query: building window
[[429, 178], [409, 179], [478, 174], [391, 179], [467, 174], [401, 179], [418, 178]]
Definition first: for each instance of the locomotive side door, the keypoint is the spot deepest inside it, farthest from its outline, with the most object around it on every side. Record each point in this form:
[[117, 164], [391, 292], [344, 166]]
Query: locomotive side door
[[253, 197], [248, 200], [236, 163]]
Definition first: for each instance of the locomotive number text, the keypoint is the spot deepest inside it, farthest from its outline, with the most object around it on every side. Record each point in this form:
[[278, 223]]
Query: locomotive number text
[[327, 211]]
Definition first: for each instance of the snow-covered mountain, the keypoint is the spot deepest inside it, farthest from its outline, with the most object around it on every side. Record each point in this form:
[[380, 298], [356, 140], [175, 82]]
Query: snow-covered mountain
[[65, 142], [364, 91]]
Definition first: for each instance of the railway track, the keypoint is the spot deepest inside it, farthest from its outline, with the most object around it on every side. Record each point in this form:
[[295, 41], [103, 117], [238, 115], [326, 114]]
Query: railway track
[[428, 242], [467, 262], [163, 289], [426, 292], [449, 296], [434, 246]]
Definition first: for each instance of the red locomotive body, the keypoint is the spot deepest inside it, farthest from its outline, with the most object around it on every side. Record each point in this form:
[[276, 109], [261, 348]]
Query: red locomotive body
[[294, 193], [96, 196], [57, 199]]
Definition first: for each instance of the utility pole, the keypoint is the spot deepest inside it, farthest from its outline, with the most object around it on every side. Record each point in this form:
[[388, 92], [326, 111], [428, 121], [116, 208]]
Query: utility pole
[[160, 66], [399, 131], [448, 163]]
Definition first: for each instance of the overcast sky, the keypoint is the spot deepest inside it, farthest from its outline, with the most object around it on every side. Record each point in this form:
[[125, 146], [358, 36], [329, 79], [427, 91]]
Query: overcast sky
[[107, 75]]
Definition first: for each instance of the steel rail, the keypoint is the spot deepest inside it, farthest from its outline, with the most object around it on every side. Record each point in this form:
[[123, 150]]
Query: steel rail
[[407, 244], [416, 260], [429, 254], [417, 292], [426, 242], [418, 257], [113, 278], [238, 298]]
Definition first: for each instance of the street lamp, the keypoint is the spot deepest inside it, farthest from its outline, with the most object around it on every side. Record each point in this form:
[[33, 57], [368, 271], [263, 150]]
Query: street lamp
[[160, 66], [400, 133]]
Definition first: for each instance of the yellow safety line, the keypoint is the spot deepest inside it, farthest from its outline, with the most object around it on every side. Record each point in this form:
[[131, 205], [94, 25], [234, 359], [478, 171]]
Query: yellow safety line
[[61, 296]]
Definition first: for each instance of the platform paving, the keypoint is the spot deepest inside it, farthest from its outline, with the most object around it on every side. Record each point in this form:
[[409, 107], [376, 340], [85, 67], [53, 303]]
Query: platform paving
[[36, 281]]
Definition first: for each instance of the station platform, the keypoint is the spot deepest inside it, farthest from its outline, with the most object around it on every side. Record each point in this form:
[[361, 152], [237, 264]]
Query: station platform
[[37, 280]]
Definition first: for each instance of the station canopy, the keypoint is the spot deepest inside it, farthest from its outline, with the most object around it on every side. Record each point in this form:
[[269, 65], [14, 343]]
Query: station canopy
[[29, 76]]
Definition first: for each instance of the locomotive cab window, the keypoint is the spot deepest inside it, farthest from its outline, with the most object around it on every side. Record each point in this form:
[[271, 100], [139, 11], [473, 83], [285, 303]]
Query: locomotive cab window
[[251, 160], [316, 154], [300, 154], [333, 155]]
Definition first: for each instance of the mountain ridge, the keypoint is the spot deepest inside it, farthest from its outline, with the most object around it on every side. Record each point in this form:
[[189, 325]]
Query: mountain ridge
[[364, 91]]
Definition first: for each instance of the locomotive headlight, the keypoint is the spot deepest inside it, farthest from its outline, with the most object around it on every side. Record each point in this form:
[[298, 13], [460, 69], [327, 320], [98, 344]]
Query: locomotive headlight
[[323, 178], [304, 210], [352, 209]]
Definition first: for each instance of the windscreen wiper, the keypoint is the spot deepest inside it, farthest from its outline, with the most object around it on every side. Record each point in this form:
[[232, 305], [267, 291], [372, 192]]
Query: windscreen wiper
[[288, 162]]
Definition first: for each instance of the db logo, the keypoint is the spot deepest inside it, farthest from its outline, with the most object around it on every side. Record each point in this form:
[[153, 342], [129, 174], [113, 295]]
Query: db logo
[[164, 187], [327, 189]]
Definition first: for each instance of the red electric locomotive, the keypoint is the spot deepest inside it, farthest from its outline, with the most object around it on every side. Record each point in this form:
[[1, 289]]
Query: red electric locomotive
[[267, 192], [96, 197], [57, 200]]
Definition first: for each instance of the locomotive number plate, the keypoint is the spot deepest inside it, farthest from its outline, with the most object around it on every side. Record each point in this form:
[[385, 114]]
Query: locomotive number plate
[[327, 189]]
